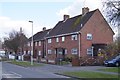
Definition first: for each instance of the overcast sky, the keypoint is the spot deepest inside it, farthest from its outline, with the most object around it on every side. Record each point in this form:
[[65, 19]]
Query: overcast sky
[[43, 13]]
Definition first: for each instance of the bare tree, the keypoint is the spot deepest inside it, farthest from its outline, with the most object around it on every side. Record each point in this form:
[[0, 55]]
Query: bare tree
[[112, 11], [15, 41]]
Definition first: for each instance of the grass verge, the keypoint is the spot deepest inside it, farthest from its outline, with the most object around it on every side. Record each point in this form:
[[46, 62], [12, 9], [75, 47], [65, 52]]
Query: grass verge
[[114, 69], [24, 63], [88, 74]]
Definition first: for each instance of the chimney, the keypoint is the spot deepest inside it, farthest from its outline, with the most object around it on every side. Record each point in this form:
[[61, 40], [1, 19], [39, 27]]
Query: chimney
[[44, 28], [65, 17], [85, 10]]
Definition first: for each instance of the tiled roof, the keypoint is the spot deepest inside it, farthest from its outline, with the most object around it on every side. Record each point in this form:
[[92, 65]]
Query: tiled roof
[[40, 35], [71, 25]]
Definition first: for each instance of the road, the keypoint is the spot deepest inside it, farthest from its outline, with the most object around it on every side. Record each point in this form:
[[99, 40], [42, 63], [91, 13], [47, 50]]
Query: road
[[0, 70], [14, 71]]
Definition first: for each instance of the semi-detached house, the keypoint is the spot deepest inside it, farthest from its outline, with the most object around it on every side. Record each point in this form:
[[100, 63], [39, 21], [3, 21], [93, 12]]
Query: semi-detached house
[[82, 35]]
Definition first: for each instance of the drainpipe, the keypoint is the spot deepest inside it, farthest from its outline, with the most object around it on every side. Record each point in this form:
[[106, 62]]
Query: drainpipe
[[79, 43], [46, 47], [92, 51]]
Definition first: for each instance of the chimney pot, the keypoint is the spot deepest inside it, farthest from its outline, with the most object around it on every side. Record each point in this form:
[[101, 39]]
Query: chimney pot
[[65, 17], [44, 28], [85, 10]]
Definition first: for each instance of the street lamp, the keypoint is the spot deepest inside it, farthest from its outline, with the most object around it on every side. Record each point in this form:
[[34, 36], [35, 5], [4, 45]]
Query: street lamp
[[32, 44]]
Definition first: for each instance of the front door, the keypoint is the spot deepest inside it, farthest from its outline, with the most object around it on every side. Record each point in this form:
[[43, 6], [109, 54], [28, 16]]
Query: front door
[[97, 47], [60, 53]]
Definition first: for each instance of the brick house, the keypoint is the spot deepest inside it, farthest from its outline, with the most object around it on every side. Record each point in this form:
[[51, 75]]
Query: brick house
[[39, 45], [82, 35]]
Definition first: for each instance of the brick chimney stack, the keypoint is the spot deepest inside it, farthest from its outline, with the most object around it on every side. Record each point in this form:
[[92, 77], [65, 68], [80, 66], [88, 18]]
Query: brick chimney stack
[[65, 17], [85, 10], [44, 28]]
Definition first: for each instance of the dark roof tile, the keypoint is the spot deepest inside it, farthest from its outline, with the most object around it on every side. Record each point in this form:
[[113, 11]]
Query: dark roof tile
[[40, 35], [70, 25]]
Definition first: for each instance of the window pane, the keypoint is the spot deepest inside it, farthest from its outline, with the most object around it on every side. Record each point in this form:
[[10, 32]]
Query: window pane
[[49, 40], [74, 37], [63, 38], [39, 53], [89, 36], [49, 51], [74, 51], [35, 43], [57, 39], [65, 51], [89, 51], [39, 43]]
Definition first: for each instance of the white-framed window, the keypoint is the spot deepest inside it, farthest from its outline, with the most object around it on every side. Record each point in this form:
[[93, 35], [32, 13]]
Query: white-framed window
[[74, 37], [28, 52], [49, 51], [28, 44], [39, 43], [89, 36], [31, 43], [24, 52], [39, 53], [89, 51], [57, 39], [74, 51], [49, 40], [65, 51], [35, 43], [63, 39]]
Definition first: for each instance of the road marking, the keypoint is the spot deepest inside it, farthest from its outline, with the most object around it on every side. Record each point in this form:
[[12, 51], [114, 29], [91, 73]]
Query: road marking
[[11, 75], [16, 73]]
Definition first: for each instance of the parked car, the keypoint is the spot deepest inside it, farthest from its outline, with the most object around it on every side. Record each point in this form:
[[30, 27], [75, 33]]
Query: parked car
[[0, 58], [113, 62]]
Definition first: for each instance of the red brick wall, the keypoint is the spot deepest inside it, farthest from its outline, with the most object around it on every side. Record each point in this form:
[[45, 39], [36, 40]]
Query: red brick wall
[[67, 44], [100, 30], [39, 48]]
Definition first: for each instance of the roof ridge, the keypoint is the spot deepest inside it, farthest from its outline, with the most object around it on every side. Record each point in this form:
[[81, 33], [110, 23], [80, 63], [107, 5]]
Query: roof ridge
[[81, 14]]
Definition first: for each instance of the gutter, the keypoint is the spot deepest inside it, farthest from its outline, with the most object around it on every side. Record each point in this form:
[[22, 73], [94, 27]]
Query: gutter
[[79, 43], [63, 34]]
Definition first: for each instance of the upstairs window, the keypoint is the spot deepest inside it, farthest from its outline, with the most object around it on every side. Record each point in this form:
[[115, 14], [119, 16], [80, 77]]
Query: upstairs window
[[74, 37], [63, 39], [89, 36], [49, 41], [35, 43], [39, 43], [31, 43], [57, 39], [28, 44]]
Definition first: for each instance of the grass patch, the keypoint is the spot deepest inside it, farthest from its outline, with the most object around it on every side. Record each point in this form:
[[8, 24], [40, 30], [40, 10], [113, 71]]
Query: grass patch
[[24, 64], [115, 69], [88, 74], [65, 63]]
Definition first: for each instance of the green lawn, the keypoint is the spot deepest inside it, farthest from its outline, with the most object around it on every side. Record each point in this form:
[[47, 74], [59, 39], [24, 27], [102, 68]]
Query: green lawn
[[86, 74], [24, 64], [115, 69]]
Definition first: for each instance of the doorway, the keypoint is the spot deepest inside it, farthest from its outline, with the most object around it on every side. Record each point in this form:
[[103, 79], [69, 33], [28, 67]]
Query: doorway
[[60, 53]]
